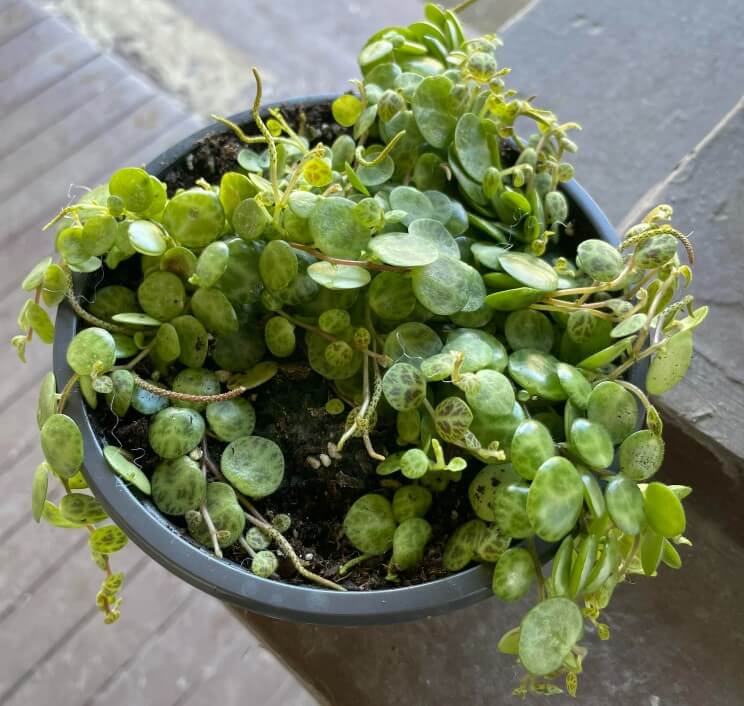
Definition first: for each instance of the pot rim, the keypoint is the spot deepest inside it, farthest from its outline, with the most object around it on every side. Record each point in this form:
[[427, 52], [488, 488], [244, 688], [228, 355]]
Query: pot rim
[[225, 579]]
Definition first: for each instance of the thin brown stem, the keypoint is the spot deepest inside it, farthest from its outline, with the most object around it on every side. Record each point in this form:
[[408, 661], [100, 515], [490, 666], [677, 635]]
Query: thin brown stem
[[87, 316], [66, 391], [211, 528], [286, 547], [185, 397], [366, 264]]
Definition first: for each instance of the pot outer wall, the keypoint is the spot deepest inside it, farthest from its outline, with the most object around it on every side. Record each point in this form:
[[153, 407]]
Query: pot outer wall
[[225, 579]]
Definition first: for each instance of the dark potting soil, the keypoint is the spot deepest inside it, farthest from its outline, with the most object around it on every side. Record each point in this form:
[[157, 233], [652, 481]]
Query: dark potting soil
[[290, 410]]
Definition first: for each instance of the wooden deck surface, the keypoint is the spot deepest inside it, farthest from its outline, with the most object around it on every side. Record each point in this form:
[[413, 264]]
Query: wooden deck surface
[[69, 116]]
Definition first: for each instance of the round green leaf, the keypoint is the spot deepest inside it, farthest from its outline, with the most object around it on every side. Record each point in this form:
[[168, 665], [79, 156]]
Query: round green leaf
[[460, 547], [670, 364], [193, 341], [227, 516], [175, 431], [431, 110], [641, 455], [107, 539], [555, 499], [625, 505], [277, 264], [194, 218], [391, 296], [592, 442], [136, 319], [532, 445], [471, 145], [576, 386], [513, 574], [491, 393], [529, 329], [162, 295], [409, 541], [664, 510], [370, 525], [146, 238], [178, 485], [62, 444], [615, 408], [512, 299], [411, 501], [120, 396], [441, 286], [436, 235], [332, 276], [548, 633], [335, 230], [655, 251], [599, 260], [211, 264], [531, 271], [214, 310], [536, 372], [79, 507], [452, 419], [254, 465], [123, 467], [133, 186], [414, 463], [483, 488], [47, 404], [510, 510], [404, 387], [627, 327], [195, 381], [412, 342], [92, 349], [39, 487]]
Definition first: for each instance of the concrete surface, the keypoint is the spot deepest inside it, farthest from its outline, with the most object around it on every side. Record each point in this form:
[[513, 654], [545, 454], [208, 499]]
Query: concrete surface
[[707, 193], [647, 80], [676, 640]]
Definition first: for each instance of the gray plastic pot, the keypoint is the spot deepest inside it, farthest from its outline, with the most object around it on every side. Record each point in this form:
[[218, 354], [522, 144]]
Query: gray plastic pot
[[224, 579]]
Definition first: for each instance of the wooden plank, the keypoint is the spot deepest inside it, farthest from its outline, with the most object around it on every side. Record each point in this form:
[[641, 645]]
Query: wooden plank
[[71, 133], [43, 68], [14, 53], [30, 577], [19, 433], [15, 486], [56, 610], [271, 684], [158, 597], [16, 17], [41, 113], [709, 402], [170, 667], [26, 209]]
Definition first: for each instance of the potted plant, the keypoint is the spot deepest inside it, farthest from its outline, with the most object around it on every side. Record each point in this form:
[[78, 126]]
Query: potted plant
[[369, 358]]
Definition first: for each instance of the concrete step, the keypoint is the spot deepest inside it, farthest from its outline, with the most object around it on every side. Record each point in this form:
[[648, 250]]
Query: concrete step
[[646, 80], [676, 639], [707, 193]]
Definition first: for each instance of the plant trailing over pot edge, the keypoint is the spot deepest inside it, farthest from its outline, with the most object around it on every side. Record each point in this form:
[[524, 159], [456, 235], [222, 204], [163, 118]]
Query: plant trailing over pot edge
[[423, 265]]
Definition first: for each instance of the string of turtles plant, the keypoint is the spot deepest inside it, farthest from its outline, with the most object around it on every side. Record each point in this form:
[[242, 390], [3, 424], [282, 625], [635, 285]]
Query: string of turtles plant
[[423, 265]]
